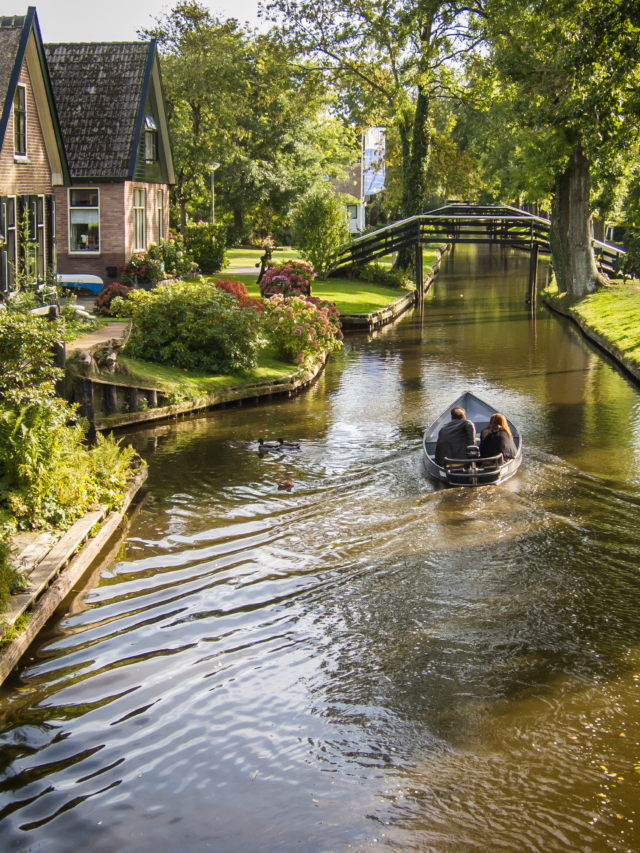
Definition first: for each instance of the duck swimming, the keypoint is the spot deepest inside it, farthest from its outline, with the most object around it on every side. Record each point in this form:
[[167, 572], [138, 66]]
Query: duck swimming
[[269, 445], [292, 444], [240, 445], [285, 485]]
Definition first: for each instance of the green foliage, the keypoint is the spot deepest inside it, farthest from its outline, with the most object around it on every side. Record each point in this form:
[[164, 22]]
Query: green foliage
[[628, 266], [48, 477], [206, 243], [177, 258], [242, 99], [142, 268], [300, 328], [10, 578], [320, 228], [193, 325], [375, 273], [108, 294]]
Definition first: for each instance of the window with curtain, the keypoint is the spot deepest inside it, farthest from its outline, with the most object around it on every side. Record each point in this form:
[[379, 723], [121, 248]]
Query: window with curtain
[[150, 139], [160, 215], [11, 242], [20, 122], [84, 221], [139, 220]]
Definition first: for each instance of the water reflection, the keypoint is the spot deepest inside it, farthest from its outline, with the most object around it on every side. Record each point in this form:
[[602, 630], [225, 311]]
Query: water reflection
[[369, 660]]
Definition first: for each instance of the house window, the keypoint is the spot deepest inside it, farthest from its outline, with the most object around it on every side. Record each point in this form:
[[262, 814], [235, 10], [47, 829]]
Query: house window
[[11, 242], [160, 215], [139, 220], [84, 221], [150, 139], [352, 211], [37, 237], [20, 122]]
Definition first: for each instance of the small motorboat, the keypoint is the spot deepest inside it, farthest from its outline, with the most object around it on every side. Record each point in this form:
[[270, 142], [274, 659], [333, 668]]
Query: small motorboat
[[471, 471]]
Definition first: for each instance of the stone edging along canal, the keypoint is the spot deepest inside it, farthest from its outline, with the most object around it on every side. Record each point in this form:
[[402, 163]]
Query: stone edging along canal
[[591, 335], [388, 313], [52, 570]]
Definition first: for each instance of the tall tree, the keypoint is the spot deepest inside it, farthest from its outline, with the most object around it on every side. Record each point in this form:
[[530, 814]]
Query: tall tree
[[390, 60], [568, 77]]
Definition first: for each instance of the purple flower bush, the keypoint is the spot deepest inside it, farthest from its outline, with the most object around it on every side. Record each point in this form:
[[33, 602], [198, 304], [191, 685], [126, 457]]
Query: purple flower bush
[[301, 328], [293, 278]]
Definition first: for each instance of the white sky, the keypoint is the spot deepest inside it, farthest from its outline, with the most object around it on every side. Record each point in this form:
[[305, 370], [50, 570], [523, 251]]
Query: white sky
[[113, 20]]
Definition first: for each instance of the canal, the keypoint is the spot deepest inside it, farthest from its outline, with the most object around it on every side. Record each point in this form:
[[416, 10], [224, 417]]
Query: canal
[[369, 662]]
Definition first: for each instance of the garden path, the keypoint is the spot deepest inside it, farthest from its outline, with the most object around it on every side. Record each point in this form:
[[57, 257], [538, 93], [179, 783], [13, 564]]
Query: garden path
[[100, 336]]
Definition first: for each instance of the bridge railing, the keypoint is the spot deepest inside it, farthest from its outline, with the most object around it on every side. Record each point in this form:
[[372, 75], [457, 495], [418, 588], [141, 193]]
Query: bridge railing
[[461, 223]]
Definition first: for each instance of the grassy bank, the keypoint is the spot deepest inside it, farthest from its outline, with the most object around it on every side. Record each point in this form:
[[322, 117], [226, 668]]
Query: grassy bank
[[612, 312], [194, 384]]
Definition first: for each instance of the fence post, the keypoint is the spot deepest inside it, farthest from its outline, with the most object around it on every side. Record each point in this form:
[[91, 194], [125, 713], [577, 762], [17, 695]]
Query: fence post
[[86, 386], [533, 274], [419, 262]]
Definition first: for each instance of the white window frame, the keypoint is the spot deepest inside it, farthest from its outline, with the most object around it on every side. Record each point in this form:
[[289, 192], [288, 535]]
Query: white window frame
[[77, 254], [9, 229], [143, 208], [21, 158], [160, 213], [40, 229]]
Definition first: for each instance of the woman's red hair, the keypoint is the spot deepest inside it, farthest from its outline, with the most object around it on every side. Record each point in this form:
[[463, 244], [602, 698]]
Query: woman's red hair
[[499, 422]]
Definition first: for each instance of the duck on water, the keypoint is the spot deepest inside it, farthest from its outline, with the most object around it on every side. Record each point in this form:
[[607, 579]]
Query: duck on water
[[472, 470]]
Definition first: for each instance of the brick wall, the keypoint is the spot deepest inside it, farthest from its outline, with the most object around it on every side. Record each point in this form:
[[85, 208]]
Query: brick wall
[[151, 210], [112, 239], [116, 226], [34, 177]]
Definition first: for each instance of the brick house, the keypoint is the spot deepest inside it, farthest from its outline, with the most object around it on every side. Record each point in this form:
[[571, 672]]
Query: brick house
[[112, 112], [32, 157]]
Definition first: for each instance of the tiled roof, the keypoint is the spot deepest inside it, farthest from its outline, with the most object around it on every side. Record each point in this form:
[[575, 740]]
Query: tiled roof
[[10, 32], [98, 89]]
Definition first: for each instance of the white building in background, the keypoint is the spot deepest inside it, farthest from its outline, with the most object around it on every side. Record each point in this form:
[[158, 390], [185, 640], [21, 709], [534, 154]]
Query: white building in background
[[366, 179]]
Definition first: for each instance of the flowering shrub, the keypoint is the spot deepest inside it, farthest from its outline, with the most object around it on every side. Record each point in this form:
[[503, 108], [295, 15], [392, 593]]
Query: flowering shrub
[[143, 269], [237, 289], [192, 325], [293, 278], [108, 294], [207, 243], [178, 261], [301, 328]]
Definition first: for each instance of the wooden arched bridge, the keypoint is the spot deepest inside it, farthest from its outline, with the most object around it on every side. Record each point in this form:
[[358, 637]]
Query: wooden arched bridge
[[464, 223]]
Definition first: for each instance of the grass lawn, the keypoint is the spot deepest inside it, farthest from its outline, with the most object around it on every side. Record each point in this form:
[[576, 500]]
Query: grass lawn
[[350, 296], [195, 383], [242, 258], [613, 312]]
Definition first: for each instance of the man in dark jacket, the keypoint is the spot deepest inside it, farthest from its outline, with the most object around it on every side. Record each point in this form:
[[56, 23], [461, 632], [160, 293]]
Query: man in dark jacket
[[455, 437]]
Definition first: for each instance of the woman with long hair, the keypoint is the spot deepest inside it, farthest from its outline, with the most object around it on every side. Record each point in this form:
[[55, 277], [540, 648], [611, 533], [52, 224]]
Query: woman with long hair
[[497, 439]]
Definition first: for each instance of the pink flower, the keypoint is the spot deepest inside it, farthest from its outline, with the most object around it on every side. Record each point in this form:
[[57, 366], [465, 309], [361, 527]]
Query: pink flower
[[298, 331]]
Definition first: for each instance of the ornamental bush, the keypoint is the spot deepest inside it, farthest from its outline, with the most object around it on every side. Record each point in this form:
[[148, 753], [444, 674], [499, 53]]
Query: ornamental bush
[[377, 274], [48, 476], [320, 228], [239, 291], [194, 326], [108, 294], [206, 243], [300, 328], [292, 278], [177, 259], [142, 269]]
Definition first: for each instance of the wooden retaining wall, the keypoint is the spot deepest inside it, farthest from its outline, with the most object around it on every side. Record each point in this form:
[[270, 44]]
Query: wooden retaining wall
[[52, 572]]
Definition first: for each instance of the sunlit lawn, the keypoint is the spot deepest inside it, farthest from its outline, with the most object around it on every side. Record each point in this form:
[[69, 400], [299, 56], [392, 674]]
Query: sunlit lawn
[[349, 296], [613, 312]]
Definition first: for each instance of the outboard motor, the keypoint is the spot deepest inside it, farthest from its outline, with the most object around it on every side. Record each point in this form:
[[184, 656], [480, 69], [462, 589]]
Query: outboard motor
[[473, 452]]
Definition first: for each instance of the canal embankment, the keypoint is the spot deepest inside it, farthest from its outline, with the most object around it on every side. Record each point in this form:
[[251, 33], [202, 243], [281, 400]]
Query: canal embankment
[[51, 562], [609, 318]]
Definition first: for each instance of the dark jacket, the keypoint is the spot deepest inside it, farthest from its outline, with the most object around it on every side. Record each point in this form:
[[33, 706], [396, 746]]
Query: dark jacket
[[453, 440], [495, 443]]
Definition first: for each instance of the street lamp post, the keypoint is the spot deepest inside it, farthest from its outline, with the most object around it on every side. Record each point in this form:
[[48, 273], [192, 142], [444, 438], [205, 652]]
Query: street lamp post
[[213, 168]]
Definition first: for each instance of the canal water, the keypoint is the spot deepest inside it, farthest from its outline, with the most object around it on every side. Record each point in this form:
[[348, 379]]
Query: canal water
[[369, 662]]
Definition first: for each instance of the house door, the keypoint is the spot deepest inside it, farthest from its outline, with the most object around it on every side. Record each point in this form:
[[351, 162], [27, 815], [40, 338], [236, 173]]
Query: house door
[[9, 240]]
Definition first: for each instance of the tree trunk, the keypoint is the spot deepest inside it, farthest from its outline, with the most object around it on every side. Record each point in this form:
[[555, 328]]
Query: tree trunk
[[571, 250], [238, 222], [183, 215], [414, 169]]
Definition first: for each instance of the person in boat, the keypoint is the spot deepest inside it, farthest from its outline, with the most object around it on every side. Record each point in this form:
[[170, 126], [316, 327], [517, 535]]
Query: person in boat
[[497, 439], [455, 437]]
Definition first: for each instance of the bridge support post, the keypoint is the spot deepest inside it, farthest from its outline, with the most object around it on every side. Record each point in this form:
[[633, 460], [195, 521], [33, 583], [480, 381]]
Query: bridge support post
[[533, 274], [419, 263]]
